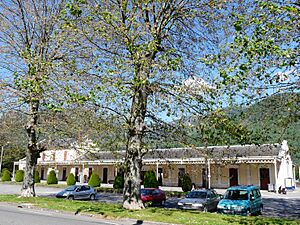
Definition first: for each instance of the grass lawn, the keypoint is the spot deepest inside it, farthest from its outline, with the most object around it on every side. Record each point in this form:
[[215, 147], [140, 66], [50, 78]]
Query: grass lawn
[[113, 211]]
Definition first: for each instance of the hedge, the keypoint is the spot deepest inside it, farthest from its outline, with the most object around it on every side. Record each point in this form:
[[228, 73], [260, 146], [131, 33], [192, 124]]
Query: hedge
[[150, 180], [6, 175], [52, 179], [71, 179], [186, 183], [19, 176], [37, 178], [94, 180]]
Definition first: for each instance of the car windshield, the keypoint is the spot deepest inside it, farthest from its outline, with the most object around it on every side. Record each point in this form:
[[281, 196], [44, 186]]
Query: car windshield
[[146, 192], [236, 195], [197, 194], [71, 188]]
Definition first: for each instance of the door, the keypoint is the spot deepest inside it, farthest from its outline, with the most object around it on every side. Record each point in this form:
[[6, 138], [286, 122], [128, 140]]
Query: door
[[160, 176], [64, 174], [264, 178], [233, 177], [105, 171], [204, 178], [42, 173], [90, 172], [181, 172], [76, 174]]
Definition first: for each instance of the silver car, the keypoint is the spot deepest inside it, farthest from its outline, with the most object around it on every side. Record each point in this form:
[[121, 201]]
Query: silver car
[[77, 192], [204, 200]]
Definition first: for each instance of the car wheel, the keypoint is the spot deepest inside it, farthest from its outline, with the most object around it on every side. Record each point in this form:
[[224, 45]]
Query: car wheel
[[147, 204], [248, 213], [71, 197], [260, 211], [92, 197], [162, 203]]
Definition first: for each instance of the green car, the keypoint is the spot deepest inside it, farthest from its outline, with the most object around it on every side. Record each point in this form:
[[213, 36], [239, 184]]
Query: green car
[[241, 200]]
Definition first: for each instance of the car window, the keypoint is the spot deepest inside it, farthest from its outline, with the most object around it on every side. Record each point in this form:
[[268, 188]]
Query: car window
[[155, 192], [146, 192], [236, 195], [214, 194], [197, 194], [258, 193], [81, 188], [72, 188], [85, 188]]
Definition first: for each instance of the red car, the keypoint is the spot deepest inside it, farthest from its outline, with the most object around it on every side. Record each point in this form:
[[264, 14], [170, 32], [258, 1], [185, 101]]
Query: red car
[[153, 196]]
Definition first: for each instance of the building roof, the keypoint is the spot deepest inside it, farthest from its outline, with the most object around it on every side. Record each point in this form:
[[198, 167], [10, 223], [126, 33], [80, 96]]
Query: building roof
[[212, 152]]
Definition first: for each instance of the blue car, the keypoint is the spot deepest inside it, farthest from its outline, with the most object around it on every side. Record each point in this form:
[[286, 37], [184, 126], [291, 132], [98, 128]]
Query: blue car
[[241, 200]]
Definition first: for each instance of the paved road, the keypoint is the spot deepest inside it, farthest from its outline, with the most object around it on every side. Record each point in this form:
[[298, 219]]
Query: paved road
[[275, 205], [14, 215]]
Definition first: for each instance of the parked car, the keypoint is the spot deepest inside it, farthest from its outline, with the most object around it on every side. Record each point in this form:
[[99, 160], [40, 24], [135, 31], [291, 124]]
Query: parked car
[[203, 199], [78, 192], [241, 200], [153, 196]]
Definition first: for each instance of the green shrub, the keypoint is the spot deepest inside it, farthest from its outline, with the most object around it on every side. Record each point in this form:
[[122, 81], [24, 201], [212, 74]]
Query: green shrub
[[186, 183], [52, 179], [94, 180], [119, 182], [37, 178], [150, 180], [6, 175], [71, 179], [19, 176]]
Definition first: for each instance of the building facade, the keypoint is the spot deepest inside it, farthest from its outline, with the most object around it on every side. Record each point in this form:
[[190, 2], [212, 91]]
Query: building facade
[[268, 166]]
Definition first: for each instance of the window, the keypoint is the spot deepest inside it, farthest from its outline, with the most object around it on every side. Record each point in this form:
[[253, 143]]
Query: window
[[65, 155]]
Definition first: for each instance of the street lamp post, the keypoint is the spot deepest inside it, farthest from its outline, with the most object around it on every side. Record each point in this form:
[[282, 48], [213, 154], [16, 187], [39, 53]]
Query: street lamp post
[[1, 157]]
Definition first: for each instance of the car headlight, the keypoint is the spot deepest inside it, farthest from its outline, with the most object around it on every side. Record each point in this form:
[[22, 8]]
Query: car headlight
[[198, 205], [221, 207], [179, 203], [65, 194]]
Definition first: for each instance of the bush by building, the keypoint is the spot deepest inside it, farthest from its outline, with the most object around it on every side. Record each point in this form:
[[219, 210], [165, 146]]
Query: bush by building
[[6, 175], [37, 178], [150, 180], [19, 176], [119, 181], [71, 179], [94, 180], [52, 179], [186, 183]]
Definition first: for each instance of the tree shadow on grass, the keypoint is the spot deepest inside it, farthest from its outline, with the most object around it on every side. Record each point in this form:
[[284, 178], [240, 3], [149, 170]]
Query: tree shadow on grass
[[259, 221]]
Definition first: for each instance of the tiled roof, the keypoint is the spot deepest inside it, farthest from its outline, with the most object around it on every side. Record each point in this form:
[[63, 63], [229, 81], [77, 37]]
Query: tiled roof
[[215, 152]]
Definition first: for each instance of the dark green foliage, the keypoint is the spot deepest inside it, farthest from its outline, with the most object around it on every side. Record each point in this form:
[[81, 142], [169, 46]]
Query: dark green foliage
[[94, 180], [71, 179], [6, 175], [37, 178], [19, 176], [186, 183], [150, 180], [52, 179], [119, 182]]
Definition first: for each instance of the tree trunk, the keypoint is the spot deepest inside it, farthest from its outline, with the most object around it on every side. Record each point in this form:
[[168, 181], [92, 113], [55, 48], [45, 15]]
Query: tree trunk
[[135, 151], [28, 189]]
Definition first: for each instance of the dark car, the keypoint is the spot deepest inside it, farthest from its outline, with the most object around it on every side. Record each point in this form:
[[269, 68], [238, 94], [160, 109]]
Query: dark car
[[153, 196], [77, 192], [204, 200]]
